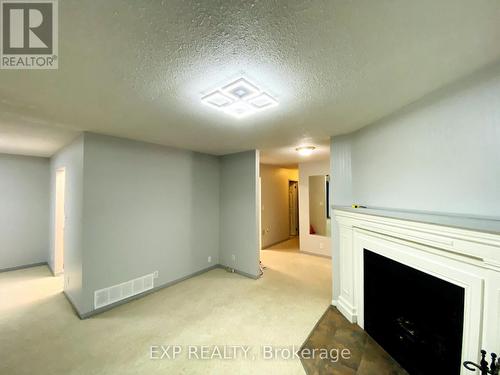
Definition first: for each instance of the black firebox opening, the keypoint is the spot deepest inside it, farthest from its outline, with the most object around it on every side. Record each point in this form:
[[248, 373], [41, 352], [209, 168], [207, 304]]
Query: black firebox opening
[[417, 318]]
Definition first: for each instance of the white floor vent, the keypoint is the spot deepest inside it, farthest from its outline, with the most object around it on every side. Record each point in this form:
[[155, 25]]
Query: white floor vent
[[115, 293]]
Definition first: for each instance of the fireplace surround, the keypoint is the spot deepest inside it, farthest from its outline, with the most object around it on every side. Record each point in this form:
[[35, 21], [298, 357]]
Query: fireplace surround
[[460, 256]]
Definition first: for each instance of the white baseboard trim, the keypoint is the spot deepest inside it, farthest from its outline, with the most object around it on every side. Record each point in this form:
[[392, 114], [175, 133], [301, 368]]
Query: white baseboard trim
[[347, 310]]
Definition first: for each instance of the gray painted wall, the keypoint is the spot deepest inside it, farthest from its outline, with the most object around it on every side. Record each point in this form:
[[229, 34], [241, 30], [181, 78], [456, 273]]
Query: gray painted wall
[[239, 215], [147, 208], [24, 210], [133, 208], [441, 154], [70, 157]]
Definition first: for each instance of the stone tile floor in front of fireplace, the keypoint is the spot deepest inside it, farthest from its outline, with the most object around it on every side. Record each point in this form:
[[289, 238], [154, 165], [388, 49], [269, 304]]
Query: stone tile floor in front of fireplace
[[333, 331]]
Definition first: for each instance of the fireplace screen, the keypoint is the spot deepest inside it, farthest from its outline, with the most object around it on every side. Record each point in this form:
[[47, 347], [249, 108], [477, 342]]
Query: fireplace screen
[[417, 318]]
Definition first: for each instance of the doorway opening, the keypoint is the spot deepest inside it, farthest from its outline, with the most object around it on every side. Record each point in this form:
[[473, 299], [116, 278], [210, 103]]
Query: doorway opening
[[60, 218], [293, 259], [279, 201]]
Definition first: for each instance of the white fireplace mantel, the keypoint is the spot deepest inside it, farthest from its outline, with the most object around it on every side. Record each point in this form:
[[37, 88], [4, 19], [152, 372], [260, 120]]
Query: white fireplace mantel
[[463, 251]]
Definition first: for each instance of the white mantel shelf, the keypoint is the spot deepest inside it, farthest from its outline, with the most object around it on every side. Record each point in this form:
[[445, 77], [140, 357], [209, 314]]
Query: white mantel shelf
[[471, 239], [486, 225], [462, 250]]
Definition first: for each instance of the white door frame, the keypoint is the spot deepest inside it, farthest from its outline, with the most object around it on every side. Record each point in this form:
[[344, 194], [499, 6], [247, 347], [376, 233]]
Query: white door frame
[[60, 220]]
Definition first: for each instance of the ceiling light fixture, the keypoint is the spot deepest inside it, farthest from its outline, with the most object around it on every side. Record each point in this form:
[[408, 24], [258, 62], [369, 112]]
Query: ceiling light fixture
[[239, 98], [217, 99], [305, 150]]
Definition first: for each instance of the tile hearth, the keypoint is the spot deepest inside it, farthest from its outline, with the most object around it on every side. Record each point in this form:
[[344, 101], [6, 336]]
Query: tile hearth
[[333, 331]]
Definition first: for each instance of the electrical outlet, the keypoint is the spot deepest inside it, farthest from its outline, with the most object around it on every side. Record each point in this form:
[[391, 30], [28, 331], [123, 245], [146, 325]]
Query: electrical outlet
[[321, 245], [209, 259], [155, 274]]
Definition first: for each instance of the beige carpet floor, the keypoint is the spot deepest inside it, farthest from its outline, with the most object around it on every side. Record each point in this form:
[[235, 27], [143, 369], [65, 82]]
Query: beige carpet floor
[[40, 334]]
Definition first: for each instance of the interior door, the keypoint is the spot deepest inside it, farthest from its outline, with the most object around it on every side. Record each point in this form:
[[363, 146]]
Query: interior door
[[293, 205]]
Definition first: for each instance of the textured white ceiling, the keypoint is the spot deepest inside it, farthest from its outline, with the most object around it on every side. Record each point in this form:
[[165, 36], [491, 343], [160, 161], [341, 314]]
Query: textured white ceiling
[[137, 69]]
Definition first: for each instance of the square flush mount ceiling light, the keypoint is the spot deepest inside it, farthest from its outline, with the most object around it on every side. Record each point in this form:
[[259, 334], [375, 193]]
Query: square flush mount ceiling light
[[217, 99], [239, 98], [239, 109], [263, 101]]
